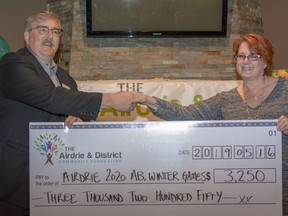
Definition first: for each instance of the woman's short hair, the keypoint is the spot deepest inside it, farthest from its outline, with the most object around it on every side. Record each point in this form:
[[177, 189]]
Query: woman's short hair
[[257, 45]]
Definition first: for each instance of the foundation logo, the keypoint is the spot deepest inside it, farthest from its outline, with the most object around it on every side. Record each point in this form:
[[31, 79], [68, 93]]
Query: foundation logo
[[48, 145]]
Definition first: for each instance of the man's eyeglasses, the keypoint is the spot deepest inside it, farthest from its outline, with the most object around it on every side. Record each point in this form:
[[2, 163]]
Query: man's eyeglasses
[[251, 57], [44, 30]]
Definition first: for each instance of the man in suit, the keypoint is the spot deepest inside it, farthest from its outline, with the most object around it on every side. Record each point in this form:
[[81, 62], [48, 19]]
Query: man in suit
[[34, 89]]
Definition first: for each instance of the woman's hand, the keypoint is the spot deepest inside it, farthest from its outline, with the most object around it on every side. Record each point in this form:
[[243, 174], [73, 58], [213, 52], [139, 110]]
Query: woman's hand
[[143, 99], [71, 119], [283, 124]]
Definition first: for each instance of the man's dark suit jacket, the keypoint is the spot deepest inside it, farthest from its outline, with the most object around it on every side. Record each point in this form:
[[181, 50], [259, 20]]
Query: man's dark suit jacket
[[27, 94]]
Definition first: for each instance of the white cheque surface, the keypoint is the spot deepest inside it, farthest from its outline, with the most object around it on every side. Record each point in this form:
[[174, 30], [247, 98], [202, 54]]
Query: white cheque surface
[[156, 168]]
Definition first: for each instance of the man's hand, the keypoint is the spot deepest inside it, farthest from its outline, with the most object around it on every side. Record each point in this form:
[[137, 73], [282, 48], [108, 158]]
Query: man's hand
[[70, 120], [121, 101]]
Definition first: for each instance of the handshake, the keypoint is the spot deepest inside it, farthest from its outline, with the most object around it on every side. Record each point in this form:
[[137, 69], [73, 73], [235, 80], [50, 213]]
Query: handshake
[[121, 101], [126, 101]]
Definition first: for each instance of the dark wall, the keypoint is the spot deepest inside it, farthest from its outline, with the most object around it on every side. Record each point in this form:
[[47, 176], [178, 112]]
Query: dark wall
[[274, 18], [13, 15]]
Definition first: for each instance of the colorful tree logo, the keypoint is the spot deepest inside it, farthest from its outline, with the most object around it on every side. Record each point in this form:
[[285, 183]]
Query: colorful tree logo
[[49, 145]]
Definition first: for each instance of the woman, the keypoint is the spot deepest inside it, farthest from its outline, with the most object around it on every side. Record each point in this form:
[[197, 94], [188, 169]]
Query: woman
[[260, 96]]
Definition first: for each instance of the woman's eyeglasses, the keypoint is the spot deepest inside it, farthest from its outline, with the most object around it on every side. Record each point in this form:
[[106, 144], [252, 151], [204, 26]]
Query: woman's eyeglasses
[[251, 57]]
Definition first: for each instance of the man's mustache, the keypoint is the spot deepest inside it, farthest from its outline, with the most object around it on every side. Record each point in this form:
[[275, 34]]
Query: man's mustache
[[48, 42]]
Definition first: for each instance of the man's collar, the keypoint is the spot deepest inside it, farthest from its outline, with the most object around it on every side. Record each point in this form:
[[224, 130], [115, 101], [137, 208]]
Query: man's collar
[[51, 68], [40, 60]]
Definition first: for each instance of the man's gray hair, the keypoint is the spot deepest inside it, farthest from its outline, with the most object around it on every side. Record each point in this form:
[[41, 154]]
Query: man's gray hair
[[40, 17]]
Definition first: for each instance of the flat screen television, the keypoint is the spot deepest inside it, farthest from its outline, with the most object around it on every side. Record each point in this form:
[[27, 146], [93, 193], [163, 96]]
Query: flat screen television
[[156, 18]]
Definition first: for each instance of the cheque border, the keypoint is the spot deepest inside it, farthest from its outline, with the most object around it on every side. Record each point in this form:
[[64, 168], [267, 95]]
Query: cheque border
[[135, 125]]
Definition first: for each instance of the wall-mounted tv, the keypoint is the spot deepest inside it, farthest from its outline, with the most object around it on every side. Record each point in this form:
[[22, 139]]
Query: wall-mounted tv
[[156, 18]]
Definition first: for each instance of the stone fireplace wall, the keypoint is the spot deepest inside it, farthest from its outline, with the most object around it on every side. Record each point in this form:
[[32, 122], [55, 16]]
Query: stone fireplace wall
[[147, 58]]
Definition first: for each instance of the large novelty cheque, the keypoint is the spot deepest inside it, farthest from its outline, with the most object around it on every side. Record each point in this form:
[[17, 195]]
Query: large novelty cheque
[[156, 168]]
